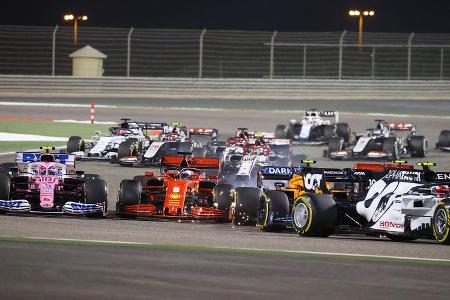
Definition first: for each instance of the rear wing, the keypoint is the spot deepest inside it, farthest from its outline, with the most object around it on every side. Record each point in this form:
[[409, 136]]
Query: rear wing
[[191, 162], [28, 157], [203, 131], [323, 114], [402, 126]]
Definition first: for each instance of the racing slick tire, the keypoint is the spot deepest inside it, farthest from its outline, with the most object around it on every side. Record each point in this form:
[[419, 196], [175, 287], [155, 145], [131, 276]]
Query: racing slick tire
[[125, 148], [246, 205], [441, 222], [5, 168], [444, 139], [280, 132], [97, 192], [223, 196], [291, 131], [129, 194], [148, 180], [198, 152], [75, 144], [418, 146], [314, 215], [328, 131], [343, 131], [274, 204], [91, 176], [5, 188], [335, 144], [390, 146]]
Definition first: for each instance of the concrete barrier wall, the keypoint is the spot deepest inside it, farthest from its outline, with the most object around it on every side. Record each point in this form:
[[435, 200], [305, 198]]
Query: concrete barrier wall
[[192, 88]]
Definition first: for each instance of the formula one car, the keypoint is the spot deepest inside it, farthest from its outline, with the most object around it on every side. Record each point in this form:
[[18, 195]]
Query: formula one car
[[180, 139], [295, 182], [244, 155], [386, 141], [444, 140], [108, 147], [187, 189], [48, 183], [403, 205], [314, 128]]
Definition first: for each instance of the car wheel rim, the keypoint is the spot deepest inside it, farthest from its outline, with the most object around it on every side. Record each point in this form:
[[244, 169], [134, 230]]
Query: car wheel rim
[[301, 215], [441, 221]]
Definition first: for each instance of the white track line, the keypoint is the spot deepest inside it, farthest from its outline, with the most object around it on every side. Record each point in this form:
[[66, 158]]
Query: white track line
[[19, 137], [318, 253], [6, 103]]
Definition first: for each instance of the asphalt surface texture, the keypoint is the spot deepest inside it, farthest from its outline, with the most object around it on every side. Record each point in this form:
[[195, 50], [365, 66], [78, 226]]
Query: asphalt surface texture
[[116, 272], [44, 271]]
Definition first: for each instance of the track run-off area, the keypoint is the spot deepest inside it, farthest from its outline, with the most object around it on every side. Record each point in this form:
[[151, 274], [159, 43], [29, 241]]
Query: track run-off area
[[54, 256]]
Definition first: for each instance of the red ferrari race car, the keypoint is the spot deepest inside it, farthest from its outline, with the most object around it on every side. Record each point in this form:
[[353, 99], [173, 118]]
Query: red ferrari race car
[[187, 188]]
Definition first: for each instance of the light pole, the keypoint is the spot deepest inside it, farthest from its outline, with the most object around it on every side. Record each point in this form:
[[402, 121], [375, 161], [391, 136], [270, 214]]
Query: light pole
[[360, 15], [75, 19]]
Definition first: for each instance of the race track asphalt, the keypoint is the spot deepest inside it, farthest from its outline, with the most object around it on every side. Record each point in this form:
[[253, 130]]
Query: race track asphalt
[[41, 270], [173, 272]]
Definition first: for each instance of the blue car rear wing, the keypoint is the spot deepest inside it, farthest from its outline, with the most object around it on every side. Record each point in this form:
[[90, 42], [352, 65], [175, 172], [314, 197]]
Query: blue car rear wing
[[27, 157]]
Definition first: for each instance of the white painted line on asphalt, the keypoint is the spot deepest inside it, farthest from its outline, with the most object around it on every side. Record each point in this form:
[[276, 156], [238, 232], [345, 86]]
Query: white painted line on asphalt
[[6, 103], [318, 253], [15, 137], [86, 122]]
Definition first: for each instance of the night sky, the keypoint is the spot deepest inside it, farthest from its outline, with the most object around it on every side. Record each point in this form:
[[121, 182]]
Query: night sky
[[281, 15]]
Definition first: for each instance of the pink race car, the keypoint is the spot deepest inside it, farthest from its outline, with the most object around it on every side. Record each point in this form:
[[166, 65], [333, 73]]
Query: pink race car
[[48, 183]]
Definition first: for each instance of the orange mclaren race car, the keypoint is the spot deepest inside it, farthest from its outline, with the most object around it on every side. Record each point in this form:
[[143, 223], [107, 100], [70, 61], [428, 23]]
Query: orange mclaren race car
[[186, 189]]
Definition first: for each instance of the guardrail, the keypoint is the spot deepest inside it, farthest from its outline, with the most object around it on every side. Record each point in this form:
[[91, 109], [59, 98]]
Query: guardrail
[[194, 88]]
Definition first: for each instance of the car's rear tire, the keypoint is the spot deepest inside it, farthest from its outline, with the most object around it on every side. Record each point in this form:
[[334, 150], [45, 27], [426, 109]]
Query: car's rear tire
[[343, 130], [5, 187], [75, 144], [97, 192], [328, 131], [280, 132], [246, 205], [336, 144], [223, 196], [418, 146], [88, 177], [440, 222], [274, 204], [125, 148], [444, 139], [198, 152], [314, 215], [148, 180], [391, 148], [6, 167]]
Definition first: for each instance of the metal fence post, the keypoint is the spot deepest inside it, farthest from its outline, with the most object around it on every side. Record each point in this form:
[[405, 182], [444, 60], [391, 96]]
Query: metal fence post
[[272, 45], [411, 36], [373, 63], [54, 49], [341, 46], [442, 64], [304, 61], [200, 54], [129, 50]]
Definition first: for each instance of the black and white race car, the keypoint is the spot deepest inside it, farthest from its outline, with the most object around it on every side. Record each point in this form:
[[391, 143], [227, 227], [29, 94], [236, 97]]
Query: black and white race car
[[315, 128], [444, 140], [388, 141], [102, 147], [403, 205]]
